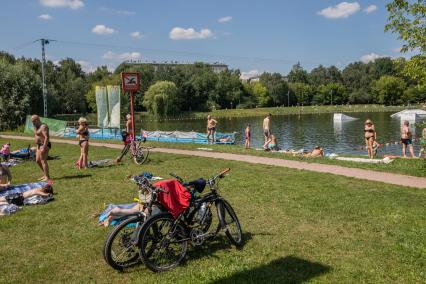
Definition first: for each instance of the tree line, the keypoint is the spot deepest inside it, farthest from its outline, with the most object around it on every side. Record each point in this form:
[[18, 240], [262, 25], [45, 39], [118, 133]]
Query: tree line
[[170, 91]]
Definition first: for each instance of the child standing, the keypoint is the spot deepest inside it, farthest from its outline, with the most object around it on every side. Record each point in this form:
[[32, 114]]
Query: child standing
[[247, 136]]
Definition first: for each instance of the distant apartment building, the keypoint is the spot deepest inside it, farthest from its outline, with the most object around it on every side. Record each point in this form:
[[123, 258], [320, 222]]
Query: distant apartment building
[[217, 67]]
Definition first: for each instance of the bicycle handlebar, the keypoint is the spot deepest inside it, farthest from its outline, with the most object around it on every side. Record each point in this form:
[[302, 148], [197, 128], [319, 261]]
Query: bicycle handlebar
[[177, 177], [144, 182]]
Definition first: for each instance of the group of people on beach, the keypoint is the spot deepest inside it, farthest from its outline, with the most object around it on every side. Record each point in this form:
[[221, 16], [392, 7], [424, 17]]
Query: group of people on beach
[[406, 139]]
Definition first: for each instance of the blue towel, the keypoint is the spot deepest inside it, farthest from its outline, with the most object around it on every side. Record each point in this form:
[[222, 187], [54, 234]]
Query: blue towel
[[105, 213], [19, 188]]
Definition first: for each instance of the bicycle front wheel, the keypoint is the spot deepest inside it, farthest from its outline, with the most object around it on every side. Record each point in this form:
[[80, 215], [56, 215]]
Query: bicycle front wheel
[[141, 155], [229, 222], [120, 248], [163, 244]]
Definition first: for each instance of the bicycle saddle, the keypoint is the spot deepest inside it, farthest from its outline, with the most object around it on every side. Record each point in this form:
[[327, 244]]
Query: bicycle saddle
[[198, 184]]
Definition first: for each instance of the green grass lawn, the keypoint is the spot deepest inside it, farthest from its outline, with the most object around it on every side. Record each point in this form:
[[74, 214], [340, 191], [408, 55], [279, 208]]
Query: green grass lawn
[[413, 167], [299, 226]]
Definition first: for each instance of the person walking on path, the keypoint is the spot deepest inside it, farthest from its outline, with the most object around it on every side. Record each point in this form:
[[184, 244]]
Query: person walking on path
[[211, 128], [83, 133], [267, 130], [406, 140], [248, 134], [370, 136], [127, 137], [42, 139]]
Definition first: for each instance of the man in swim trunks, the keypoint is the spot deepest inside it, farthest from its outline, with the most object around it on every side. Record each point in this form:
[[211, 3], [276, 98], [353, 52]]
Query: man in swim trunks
[[41, 135], [267, 130], [211, 128], [406, 139]]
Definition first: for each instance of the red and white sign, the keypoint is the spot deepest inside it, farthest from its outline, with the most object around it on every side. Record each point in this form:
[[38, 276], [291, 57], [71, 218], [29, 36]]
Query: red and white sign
[[130, 82]]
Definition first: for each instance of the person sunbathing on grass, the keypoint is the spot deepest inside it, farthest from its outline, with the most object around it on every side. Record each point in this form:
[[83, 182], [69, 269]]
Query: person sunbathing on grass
[[316, 152], [271, 144], [46, 190], [5, 177]]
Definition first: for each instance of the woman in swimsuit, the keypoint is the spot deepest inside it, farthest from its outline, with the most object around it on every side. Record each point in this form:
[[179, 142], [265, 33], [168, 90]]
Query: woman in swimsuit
[[406, 140], [370, 137], [83, 133]]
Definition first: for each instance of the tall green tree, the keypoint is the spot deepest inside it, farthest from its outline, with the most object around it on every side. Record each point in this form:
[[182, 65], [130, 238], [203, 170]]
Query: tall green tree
[[298, 74], [277, 88], [388, 90], [18, 84], [407, 19], [161, 99]]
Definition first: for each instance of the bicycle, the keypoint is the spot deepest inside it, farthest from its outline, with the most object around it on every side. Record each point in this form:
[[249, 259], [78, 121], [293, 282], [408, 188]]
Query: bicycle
[[138, 152], [120, 249], [163, 240]]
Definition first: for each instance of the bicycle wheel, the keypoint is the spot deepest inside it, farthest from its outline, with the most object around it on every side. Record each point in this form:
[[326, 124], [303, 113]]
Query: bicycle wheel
[[120, 250], [163, 244], [141, 155], [229, 222]]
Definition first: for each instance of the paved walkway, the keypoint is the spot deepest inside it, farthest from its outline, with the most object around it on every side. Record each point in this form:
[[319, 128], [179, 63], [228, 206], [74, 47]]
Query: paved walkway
[[390, 178]]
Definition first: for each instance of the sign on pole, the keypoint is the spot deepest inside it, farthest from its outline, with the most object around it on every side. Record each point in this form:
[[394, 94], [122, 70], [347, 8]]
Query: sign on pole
[[130, 82]]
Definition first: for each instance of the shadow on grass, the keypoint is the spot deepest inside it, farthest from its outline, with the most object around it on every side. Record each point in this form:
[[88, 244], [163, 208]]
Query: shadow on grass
[[289, 269], [73, 177]]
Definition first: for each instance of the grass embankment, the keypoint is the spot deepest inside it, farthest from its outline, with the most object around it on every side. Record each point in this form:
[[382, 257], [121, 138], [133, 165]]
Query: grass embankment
[[413, 167], [227, 113], [299, 226]]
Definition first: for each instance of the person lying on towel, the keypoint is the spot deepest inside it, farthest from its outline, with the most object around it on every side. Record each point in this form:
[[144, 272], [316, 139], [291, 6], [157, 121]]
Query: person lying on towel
[[18, 198]]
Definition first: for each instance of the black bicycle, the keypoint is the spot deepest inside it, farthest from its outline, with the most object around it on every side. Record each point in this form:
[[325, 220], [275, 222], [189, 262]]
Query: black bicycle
[[163, 240], [120, 248]]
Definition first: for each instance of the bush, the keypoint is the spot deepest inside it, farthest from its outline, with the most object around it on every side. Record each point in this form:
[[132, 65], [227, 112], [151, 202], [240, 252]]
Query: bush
[[161, 99]]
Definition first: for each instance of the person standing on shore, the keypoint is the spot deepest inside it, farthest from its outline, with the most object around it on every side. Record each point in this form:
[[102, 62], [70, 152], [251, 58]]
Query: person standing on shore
[[267, 130], [83, 133], [370, 137], [248, 134], [42, 139], [211, 128], [406, 141], [127, 137]]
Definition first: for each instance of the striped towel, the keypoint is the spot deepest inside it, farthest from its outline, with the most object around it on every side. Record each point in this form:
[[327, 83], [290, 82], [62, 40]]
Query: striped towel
[[19, 188]]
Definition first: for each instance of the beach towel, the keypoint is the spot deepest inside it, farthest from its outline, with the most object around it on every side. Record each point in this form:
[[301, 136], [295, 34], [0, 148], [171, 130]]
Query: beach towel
[[11, 163], [177, 198], [386, 160], [20, 188], [38, 200], [8, 209], [105, 213], [101, 163]]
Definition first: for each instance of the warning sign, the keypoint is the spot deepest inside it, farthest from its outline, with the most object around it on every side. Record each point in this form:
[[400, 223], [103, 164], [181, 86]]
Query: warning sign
[[130, 81]]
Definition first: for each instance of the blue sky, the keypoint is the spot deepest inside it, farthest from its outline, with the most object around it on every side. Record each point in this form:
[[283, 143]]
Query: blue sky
[[269, 35]]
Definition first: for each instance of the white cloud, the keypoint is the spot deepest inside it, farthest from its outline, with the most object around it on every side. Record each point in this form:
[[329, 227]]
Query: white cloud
[[122, 56], [86, 66], [102, 30], [370, 9], [225, 19], [370, 57], [45, 17], [249, 74], [341, 10], [72, 4], [178, 33], [136, 35]]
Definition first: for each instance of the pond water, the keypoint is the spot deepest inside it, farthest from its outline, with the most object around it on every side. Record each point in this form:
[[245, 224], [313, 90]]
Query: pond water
[[304, 131]]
